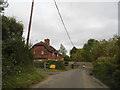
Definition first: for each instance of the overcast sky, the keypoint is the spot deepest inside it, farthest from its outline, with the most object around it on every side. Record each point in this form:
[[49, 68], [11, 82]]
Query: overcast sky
[[84, 20]]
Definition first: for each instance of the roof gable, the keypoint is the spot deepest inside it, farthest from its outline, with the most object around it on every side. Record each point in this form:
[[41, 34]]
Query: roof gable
[[48, 47]]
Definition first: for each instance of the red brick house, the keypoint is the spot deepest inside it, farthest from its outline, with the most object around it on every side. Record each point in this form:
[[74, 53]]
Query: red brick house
[[44, 51]]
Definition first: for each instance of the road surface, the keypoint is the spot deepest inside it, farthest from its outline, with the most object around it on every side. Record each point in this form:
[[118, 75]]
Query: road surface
[[77, 78]]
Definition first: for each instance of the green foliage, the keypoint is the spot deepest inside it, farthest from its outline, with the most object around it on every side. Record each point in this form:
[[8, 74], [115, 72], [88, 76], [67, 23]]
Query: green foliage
[[3, 4], [94, 49], [73, 51], [48, 70], [62, 50], [88, 48], [89, 45], [1, 7], [17, 56], [105, 69], [59, 64], [105, 55], [107, 66], [66, 58], [84, 54], [116, 78], [104, 48], [22, 80], [11, 29], [117, 44], [73, 54]]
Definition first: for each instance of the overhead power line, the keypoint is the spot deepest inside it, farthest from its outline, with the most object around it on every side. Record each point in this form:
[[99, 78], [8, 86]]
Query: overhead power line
[[63, 23]]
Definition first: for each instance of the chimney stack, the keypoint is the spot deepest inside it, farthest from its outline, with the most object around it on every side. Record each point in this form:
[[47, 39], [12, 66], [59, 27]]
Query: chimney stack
[[47, 41]]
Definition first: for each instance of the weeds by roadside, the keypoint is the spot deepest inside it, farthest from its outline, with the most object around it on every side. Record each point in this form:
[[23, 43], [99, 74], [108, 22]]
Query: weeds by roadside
[[56, 70], [23, 80]]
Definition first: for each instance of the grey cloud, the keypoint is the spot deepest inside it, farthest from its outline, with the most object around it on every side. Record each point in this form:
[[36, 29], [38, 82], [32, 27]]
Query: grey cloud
[[84, 20]]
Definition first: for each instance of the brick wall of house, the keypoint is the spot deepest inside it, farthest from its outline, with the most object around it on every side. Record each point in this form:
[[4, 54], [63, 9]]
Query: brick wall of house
[[37, 51]]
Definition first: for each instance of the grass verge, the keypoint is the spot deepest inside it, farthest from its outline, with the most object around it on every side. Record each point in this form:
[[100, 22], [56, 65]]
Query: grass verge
[[55, 70], [23, 80], [49, 70]]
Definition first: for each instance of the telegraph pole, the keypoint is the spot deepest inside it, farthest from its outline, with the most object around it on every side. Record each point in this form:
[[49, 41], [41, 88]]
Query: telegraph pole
[[29, 27]]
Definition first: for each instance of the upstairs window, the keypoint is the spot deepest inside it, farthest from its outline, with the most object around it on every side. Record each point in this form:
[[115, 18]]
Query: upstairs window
[[53, 54], [34, 52], [42, 52]]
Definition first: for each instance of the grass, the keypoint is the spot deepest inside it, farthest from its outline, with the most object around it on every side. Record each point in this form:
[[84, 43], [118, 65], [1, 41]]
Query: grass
[[23, 80], [49, 70], [26, 79], [56, 70]]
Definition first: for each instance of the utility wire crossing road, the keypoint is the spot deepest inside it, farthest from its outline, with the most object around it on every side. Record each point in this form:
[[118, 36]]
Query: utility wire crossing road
[[77, 78]]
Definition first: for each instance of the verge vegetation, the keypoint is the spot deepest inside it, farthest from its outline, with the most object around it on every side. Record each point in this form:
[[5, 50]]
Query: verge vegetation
[[17, 59], [23, 80], [105, 56]]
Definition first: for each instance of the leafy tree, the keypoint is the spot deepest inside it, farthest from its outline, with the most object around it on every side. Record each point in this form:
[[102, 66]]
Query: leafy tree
[[104, 48], [66, 58], [107, 64], [11, 29], [17, 56], [62, 50], [73, 55], [3, 4], [74, 50], [105, 55], [88, 47], [82, 55], [118, 51]]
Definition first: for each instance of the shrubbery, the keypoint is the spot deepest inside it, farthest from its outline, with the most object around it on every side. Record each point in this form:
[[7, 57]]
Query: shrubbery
[[107, 68], [105, 55], [59, 64], [16, 55]]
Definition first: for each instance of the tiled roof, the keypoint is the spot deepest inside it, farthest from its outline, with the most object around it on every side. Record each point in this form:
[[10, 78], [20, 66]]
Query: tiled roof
[[48, 47]]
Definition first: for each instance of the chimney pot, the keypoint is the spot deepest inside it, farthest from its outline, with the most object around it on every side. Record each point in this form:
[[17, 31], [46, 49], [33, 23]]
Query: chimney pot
[[47, 41]]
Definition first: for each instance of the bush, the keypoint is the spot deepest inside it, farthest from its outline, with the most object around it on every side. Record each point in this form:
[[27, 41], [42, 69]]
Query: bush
[[59, 64], [22, 80], [116, 77], [16, 55], [66, 58], [105, 69]]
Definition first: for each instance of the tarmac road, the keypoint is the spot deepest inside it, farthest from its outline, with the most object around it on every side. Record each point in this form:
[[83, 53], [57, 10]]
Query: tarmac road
[[77, 78]]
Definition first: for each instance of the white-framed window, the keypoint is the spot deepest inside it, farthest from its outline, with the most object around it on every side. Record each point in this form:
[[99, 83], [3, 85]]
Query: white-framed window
[[34, 52], [42, 52], [53, 54]]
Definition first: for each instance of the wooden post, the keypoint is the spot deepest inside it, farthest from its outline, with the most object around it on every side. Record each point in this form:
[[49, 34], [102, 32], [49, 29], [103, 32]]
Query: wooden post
[[29, 27], [45, 65]]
